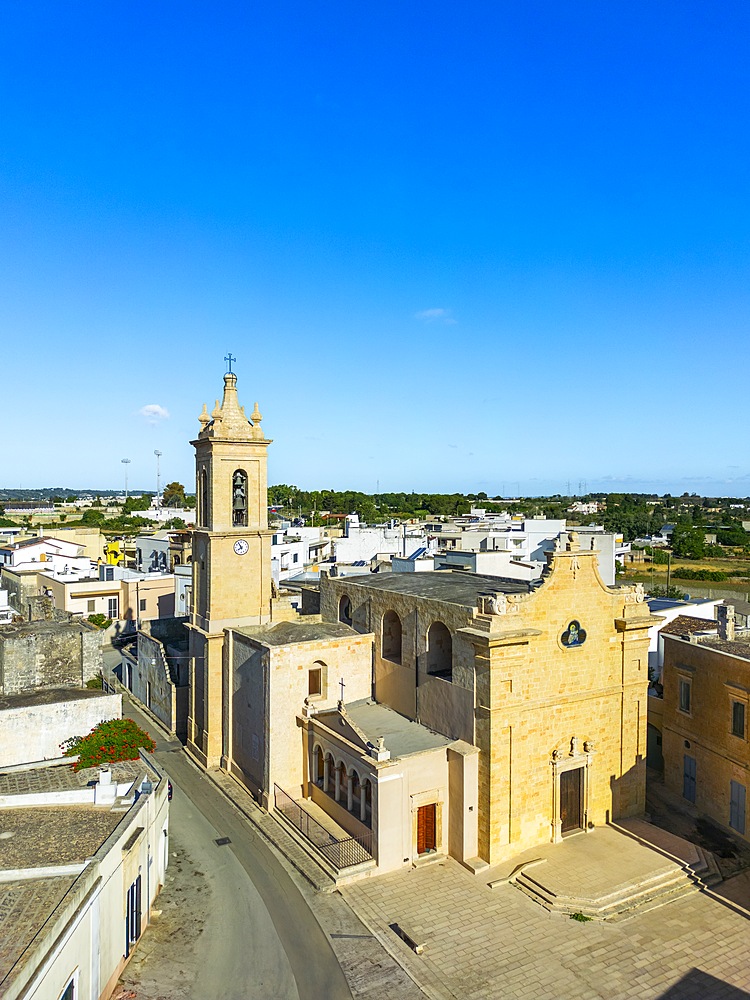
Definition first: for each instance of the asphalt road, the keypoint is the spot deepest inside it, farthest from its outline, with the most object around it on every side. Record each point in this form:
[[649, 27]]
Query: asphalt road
[[258, 937]]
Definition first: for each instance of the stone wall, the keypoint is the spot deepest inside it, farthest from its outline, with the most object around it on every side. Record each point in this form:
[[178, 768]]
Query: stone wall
[[716, 679], [21, 585], [154, 680], [268, 688], [43, 654]]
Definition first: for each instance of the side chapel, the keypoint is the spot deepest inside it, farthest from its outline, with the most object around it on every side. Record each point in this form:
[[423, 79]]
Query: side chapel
[[426, 714]]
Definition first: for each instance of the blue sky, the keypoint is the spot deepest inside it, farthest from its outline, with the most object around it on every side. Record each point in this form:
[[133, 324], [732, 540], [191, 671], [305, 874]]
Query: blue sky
[[485, 246]]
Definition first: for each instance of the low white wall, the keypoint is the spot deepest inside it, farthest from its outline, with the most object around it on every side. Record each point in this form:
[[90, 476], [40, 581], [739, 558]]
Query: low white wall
[[35, 732]]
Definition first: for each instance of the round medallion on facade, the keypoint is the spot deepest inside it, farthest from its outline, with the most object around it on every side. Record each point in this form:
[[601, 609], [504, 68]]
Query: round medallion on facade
[[573, 635], [241, 546]]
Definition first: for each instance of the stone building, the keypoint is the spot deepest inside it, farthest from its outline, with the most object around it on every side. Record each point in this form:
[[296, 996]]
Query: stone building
[[47, 650], [705, 720], [157, 671], [423, 714], [548, 683]]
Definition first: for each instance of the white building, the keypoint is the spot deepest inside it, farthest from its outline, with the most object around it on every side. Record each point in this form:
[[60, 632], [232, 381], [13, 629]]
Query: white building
[[81, 869], [57, 558], [362, 545], [289, 554]]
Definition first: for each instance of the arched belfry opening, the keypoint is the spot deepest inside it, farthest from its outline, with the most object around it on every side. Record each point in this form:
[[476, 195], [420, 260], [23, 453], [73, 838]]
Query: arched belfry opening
[[239, 499]]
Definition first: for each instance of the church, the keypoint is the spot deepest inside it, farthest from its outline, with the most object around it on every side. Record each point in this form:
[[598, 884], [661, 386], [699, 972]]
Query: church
[[425, 714]]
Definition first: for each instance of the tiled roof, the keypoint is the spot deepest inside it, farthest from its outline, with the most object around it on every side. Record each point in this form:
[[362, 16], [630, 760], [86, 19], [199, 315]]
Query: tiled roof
[[24, 907], [36, 836], [62, 777], [686, 624]]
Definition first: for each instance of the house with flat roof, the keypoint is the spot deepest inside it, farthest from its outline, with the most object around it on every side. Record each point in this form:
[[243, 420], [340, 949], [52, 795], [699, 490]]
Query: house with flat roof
[[84, 857]]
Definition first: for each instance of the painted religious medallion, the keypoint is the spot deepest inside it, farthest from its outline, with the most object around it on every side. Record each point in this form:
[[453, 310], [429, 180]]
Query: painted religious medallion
[[573, 635]]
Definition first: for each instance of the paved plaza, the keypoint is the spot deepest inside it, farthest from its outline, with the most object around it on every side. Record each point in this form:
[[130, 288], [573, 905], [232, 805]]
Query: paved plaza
[[482, 943]]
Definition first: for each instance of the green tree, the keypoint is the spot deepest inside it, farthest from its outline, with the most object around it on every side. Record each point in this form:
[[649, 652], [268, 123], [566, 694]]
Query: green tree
[[173, 495], [142, 502], [92, 518], [688, 542]]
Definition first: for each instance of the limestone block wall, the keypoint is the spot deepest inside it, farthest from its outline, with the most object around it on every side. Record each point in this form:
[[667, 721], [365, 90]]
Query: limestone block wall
[[47, 654], [34, 732], [405, 684], [716, 679], [21, 585], [153, 685], [267, 691], [538, 698]]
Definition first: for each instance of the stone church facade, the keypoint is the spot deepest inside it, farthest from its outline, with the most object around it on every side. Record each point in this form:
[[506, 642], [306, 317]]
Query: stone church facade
[[426, 714]]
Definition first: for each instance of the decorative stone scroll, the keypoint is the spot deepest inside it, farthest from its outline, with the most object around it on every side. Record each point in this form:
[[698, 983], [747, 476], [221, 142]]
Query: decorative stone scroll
[[498, 604], [636, 596]]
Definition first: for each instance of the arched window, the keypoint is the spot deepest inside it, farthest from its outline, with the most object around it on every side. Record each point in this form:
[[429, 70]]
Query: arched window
[[439, 652], [345, 610], [316, 679], [239, 499], [390, 643]]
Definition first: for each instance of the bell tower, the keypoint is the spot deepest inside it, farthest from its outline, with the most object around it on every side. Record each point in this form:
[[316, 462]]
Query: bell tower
[[231, 555]]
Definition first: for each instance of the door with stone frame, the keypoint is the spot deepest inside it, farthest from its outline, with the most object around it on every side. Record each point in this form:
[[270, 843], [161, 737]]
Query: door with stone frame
[[426, 829], [571, 800]]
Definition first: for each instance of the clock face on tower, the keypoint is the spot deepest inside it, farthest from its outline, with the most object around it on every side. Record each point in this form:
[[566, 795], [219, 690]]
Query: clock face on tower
[[241, 546]]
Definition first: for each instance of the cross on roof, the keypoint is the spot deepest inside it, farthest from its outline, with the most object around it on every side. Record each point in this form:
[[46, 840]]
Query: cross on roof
[[229, 359]]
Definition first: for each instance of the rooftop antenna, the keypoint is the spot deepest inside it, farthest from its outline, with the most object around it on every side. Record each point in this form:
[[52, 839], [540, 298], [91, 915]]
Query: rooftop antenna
[[126, 463], [158, 477]]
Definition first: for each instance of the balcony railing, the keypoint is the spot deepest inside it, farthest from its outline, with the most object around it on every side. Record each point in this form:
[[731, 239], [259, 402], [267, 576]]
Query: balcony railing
[[339, 852]]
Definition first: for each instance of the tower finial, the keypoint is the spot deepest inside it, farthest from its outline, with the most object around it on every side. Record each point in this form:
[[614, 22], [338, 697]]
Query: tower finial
[[229, 359]]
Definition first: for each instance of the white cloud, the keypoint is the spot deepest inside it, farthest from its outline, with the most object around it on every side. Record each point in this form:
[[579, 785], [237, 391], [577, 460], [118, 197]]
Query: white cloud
[[435, 316], [153, 412]]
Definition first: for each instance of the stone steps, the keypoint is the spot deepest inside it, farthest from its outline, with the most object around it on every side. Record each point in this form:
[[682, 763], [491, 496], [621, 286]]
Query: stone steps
[[674, 881]]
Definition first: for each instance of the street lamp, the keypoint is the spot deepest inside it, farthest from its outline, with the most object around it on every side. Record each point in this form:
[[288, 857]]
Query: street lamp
[[126, 463], [158, 478]]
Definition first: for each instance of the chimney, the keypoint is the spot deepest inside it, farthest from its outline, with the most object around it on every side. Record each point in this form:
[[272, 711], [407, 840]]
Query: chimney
[[725, 614]]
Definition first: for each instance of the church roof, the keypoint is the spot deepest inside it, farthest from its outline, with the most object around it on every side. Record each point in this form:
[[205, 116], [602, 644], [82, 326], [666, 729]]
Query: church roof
[[287, 633], [450, 588], [401, 735], [363, 722]]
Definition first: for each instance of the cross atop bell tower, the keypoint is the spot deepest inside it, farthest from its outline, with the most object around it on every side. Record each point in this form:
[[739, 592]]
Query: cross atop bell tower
[[231, 552]]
